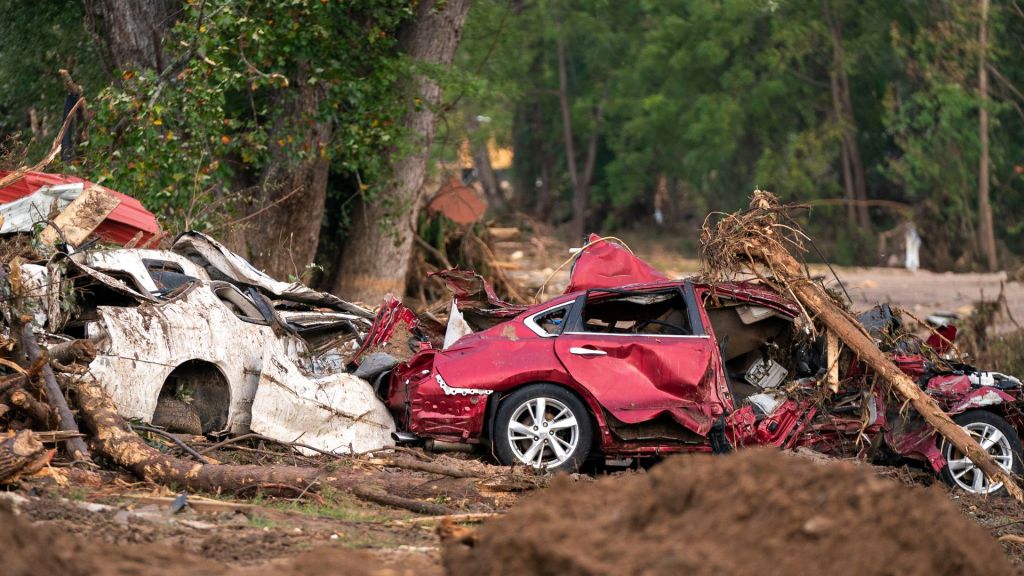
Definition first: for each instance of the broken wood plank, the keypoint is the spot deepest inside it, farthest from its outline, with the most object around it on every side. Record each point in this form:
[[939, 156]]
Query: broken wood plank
[[81, 217], [832, 356]]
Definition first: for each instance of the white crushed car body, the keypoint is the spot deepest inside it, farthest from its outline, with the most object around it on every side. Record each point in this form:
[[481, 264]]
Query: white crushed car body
[[199, 332]]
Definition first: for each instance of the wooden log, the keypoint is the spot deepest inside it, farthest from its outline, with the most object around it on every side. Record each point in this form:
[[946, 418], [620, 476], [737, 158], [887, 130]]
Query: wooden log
[[116, 441], [83, 351], [40, 413], [55, 398], [21, 454]]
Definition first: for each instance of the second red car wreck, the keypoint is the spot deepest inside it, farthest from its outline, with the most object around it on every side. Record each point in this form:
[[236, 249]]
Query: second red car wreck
[[628, 363]]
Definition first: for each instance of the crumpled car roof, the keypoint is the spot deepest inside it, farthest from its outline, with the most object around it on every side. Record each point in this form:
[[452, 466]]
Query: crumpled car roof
[[223, 264]]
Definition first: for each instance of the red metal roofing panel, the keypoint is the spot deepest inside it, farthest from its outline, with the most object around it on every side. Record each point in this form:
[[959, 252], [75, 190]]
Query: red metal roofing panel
[[127, 220]]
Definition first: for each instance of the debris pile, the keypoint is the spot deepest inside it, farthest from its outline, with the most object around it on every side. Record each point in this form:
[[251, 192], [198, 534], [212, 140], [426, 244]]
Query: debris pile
[[762, 241], [755, 511]]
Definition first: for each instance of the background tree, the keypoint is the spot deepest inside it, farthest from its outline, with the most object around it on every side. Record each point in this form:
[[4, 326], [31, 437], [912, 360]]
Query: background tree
[[376, 257]]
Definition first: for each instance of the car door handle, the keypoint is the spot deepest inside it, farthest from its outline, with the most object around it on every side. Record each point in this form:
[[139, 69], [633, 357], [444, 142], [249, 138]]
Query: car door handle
[[587, 352]]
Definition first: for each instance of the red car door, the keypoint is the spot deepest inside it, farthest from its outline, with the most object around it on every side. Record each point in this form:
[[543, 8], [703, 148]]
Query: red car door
[[641, 354]]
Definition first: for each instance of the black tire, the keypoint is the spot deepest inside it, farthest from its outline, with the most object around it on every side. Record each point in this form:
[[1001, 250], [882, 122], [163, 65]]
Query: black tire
[[512, 406], [983, 418]]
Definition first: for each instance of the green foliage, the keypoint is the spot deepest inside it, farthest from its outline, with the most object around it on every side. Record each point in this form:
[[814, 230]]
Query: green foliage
[[181, 143], [721, 97], [39, 38]]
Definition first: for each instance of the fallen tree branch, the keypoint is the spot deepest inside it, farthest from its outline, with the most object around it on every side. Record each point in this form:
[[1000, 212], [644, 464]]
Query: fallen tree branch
[[115, 440], [757, 240], [177, 441], [21, 171], [55, 398], [381, 497], [420, 466], [467, 517]]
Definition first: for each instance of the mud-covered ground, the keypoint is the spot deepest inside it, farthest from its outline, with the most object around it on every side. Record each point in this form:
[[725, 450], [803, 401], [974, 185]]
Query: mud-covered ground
[[106, 514], [88, 518]]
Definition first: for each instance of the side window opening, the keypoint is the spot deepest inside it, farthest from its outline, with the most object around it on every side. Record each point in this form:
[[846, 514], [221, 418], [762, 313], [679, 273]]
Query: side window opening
[[552, 321], [658, 313], [168, 276]]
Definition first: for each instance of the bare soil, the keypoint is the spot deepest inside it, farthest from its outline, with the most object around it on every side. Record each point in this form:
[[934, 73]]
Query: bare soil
[[756, 511]]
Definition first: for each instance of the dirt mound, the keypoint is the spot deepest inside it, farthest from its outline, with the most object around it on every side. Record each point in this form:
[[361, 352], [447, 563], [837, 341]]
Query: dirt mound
[[757, 511], [28, 550]]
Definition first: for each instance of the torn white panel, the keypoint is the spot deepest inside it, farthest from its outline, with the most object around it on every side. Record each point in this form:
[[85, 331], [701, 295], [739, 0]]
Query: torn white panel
[[457, 326], [766, 402], [22, 214], [223, 264], [35, 282], [338, 413]]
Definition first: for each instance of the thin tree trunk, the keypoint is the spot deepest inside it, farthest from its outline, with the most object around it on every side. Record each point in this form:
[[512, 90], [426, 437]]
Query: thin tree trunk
[[580, 182], [482, 163], [579, 205], [844, 153], [854, 181], [376, 258], [986, 233], [283, 239]]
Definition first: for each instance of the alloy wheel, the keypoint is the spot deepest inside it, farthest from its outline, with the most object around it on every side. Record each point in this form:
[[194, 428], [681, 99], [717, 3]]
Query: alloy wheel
[[543, 432], [965, 473]]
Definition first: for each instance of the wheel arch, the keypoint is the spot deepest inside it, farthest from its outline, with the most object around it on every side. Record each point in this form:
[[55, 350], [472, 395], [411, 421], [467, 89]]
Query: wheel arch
[[594, 411], [218, 398]]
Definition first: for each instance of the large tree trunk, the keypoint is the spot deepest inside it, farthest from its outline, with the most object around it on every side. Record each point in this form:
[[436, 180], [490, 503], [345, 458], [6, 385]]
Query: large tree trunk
[[376, 257], [133, 30], [283, 238], [986, 234]]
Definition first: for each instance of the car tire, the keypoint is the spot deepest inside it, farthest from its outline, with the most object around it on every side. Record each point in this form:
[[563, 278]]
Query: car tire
[[558, 441], [1002, 441]]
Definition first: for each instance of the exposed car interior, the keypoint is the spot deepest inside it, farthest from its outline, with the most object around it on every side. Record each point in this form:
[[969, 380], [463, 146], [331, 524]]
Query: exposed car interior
[[755, 344], [653, 313]]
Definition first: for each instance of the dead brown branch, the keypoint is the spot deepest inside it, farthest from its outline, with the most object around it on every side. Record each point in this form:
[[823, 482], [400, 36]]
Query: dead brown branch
[[763, 240]]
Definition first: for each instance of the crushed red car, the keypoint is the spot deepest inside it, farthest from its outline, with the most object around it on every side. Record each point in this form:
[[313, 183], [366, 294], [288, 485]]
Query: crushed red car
[[631, 364]]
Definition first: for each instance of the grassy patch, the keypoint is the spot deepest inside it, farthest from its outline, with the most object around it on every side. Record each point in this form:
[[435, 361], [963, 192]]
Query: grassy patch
[[337, 505]]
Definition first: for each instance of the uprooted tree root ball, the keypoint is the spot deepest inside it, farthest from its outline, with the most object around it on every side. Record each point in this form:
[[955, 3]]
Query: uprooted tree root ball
[[757, 511]]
